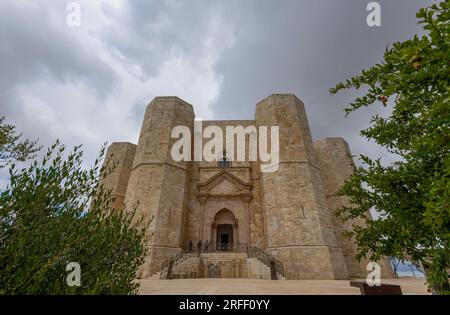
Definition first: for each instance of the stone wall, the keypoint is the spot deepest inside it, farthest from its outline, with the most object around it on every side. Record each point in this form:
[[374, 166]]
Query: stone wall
[[158, 185], [337, 166], [119, 157], [289, 213], [225, 194], [299, 229]]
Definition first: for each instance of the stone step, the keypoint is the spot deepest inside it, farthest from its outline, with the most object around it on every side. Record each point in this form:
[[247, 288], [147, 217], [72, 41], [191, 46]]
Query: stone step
[[192, 266], [156, 276]]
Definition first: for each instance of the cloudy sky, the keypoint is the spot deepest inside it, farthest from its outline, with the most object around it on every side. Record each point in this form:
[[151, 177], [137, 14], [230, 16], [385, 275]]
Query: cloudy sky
[[90, 84]]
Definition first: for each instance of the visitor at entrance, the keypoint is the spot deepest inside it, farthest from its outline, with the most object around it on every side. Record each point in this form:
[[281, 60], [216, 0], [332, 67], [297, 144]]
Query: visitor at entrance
[[190, 247], [199, 247], [205, 247]]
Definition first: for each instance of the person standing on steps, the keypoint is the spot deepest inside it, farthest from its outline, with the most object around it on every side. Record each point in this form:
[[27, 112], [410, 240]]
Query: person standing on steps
[[206, 246], [199, 247]]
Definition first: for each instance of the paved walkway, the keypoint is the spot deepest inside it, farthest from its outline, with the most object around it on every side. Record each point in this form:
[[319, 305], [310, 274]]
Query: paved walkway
[[267, 287]]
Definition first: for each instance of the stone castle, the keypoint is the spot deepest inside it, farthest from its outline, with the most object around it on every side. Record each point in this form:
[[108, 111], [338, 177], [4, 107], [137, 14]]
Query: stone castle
[[278, 224]]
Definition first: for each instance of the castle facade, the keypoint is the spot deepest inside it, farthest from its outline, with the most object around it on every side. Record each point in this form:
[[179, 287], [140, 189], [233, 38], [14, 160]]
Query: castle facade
[[287, 214]]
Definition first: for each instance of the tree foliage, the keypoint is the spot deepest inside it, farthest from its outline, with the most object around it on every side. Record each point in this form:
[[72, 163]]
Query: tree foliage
[[55, 212], [12, 148], [412, 194]]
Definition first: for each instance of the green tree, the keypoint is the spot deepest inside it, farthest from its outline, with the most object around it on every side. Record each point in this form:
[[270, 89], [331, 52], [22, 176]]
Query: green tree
[[55, 212], [412, 194], [11, 148]]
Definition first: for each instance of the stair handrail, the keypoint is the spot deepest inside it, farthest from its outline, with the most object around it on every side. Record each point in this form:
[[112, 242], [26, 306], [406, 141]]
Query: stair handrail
[[174, 261], [265, 258], [252, 252]]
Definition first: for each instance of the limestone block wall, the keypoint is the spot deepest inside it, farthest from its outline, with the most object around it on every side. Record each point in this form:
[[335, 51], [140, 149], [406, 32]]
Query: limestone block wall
[[158, 185], [256, 214], [223, 124], [289, 213], [228, 265], [120, 154], [248, 211], [336, 163], [194, 210], [299, 229]]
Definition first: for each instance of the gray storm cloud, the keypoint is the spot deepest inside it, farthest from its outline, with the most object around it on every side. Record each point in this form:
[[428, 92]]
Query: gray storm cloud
[[91, 84]]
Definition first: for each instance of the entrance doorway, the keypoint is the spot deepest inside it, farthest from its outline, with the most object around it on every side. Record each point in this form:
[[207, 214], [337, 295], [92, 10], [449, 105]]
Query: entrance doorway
[[225, 237], [224, 231]]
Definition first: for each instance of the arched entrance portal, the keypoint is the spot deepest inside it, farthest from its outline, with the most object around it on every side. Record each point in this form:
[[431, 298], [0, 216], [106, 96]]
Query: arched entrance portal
[[224, 230], [224, 236]]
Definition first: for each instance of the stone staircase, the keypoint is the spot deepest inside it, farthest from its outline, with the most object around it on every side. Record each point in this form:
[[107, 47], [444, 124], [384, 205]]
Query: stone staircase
[[257, 270], [156, 276], [190, 268], [223, 265], [219, 265]]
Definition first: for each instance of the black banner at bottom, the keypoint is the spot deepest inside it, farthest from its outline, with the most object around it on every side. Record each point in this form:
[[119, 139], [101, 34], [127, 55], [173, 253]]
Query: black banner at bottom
[[210, 304]]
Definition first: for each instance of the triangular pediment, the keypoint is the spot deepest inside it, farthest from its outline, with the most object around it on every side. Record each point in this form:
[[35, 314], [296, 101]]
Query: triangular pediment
[[224, 183], [225, 186]]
